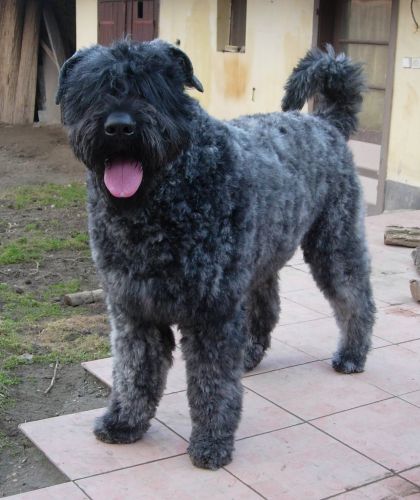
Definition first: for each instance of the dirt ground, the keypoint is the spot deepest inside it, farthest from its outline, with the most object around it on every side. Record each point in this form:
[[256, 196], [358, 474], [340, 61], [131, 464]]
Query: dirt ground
[[36, 155], [32, 156]]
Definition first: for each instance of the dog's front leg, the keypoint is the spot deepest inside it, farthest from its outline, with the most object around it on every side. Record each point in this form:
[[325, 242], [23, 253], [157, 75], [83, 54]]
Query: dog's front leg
[[142, 355], [214, 359]]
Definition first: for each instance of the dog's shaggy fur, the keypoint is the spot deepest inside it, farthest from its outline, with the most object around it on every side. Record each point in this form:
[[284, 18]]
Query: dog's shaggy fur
[[222, 207]]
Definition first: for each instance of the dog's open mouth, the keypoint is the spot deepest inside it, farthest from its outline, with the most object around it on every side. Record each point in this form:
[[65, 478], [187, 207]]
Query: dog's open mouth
[[123, 177]]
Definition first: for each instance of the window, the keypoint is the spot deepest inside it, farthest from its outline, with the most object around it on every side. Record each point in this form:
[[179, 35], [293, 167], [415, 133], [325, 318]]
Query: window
[[231, 25], [140, 10]]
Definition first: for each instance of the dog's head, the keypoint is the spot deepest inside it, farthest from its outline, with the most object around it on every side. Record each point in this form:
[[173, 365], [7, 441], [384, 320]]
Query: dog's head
[[126, 110]]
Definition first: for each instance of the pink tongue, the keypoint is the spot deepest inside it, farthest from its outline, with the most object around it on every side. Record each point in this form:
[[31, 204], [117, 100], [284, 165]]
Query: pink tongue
[[123, 178]]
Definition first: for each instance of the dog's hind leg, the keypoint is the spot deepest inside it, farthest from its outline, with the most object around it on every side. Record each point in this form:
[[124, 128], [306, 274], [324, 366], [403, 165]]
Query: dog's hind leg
[[214, 359], [336, 251], [263, 310], [142, 355]]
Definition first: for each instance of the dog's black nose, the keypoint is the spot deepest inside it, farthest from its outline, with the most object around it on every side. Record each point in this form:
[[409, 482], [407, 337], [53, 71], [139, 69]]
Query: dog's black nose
[[119, 124]]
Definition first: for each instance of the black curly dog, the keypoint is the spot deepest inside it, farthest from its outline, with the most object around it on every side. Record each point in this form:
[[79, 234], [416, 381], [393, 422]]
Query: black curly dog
[[191, 218]]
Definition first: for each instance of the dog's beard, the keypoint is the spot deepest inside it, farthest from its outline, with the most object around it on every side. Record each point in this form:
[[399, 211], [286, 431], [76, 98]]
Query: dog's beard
[[124, 168]]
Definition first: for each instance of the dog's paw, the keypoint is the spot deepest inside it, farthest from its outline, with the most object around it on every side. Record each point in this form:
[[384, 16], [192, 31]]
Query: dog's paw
[[253, 356], [346, 364], [210, 453], [110, 429]]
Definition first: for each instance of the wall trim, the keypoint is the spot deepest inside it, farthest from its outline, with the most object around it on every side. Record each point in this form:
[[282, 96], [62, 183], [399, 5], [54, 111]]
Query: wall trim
[[401, 196]]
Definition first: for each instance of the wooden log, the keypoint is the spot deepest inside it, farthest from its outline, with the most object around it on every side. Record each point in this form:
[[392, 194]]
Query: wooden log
[[80, 298], [415, 289], [416, 258], [26, 85], [11, 28], [402, 236]]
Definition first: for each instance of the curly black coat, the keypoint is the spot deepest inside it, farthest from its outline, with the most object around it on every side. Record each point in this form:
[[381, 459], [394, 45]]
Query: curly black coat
[[223, 205]]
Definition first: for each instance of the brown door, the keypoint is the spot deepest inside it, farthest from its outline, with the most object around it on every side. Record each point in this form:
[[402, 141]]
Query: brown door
[[363, 29], [120, 18]]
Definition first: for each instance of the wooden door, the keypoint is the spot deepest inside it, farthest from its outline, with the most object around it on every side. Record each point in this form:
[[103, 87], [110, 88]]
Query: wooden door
[[112, 16], [365, 30], [133, 18], [143, 20]]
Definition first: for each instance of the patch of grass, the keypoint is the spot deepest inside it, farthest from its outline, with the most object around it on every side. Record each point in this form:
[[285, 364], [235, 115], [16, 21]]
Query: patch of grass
[[59, 289], [29, 249], [33, 226], [5, 442], [47, 330], [6, 380], [45, 195], [60, 332]]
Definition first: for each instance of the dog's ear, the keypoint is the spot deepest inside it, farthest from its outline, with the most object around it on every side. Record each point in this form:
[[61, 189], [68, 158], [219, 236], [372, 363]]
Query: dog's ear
[[64, 72], [190, 79]]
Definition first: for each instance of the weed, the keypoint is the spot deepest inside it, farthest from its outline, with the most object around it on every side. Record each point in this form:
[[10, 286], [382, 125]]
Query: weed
[[46, 195], [29, 249]]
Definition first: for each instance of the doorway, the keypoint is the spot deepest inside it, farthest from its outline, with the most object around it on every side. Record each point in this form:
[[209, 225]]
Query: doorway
[[365, 30]]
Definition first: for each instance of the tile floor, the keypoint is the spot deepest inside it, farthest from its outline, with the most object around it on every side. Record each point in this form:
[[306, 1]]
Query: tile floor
[[306, 431]]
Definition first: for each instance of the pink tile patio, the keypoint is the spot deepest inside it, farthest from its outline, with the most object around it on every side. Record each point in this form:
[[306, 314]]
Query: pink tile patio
[[306, 431]]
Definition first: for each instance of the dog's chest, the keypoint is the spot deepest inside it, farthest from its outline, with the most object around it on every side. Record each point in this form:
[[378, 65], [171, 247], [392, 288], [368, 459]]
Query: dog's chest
[[169, 257]]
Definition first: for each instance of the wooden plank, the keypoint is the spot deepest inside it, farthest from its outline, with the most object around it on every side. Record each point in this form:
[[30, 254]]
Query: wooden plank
[[80, 298], [415, 289], [11, 28], [416, 258], [26, 86], [54, 36], [402, 236]]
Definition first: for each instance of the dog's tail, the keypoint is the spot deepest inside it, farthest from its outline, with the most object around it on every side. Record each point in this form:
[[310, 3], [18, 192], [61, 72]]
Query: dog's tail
[[337, 84]]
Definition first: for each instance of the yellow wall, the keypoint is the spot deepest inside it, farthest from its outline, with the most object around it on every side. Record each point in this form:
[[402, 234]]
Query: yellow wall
[[404, 144], [86, 23], [278, 33]]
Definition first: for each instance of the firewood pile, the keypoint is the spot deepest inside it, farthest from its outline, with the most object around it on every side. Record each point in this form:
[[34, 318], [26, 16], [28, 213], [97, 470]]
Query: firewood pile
[[32, 52]]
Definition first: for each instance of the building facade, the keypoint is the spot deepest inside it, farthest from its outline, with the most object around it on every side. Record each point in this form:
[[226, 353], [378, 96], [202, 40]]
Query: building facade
[[244, 50]]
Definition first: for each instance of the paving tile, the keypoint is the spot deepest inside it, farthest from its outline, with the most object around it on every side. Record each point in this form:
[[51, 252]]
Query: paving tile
[[387, 431], [412, 397], [313, 390], [394, 368], [296, 259], [280, 355], [377, 223], [387, 489], [174, 478], [412, 346], [177, 380], [311, 299], [299, 463], [69, 443], [258, 415], [398, 323], [296, 313], [292, 279], [412, 475], [318, 338], [302, 266], [393, 289], [65, 491], [101, 369], [389, 260]]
